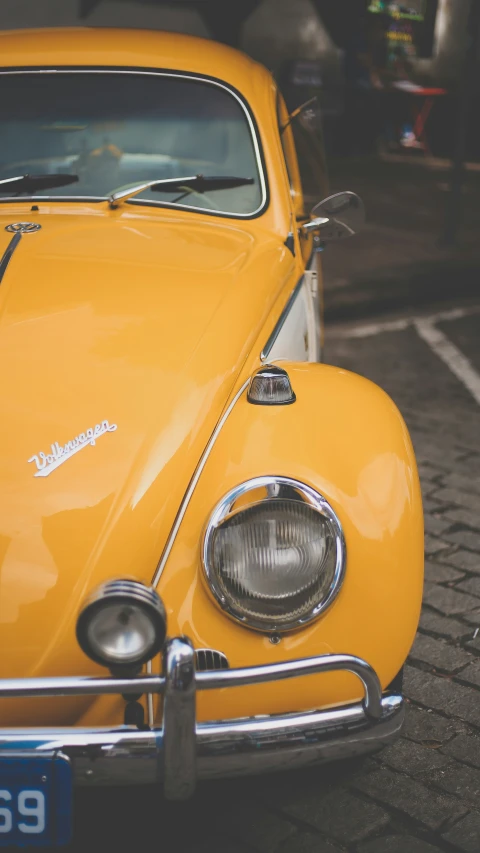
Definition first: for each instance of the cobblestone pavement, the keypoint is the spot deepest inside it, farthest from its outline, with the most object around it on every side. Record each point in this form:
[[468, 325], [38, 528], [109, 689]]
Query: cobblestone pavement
[[422, 794]]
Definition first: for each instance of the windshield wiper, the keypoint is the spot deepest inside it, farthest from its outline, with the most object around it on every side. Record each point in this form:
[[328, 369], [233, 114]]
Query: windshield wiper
[[32, 183], [192, 183]]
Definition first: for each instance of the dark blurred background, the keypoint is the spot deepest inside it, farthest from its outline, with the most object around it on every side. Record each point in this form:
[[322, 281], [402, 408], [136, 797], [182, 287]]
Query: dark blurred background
[[397, 96]]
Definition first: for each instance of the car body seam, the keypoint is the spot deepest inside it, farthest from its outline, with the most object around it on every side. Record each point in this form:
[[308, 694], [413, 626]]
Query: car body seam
[[193, 484]]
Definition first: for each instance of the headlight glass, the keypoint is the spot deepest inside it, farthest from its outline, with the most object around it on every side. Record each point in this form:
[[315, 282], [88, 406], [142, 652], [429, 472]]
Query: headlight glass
[[274, 553]]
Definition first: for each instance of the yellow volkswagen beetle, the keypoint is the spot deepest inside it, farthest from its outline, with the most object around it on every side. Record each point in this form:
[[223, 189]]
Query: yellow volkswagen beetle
[[211, 543]]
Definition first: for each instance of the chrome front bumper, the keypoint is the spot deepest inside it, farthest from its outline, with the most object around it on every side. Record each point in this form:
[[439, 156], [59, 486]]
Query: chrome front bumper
[[183, 749]]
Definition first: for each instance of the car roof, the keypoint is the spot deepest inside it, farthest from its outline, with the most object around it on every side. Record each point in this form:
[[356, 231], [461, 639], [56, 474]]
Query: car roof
[[97, 47]]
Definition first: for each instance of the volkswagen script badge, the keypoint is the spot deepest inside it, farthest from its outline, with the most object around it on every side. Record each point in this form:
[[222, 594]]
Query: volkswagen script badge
[[23, 227], [47, 462]]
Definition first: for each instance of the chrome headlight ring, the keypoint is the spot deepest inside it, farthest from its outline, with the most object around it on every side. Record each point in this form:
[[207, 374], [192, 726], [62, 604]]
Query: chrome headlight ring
[[286, 490]]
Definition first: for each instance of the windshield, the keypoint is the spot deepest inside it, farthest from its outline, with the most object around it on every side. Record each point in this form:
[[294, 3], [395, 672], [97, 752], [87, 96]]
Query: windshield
[[118, 128]]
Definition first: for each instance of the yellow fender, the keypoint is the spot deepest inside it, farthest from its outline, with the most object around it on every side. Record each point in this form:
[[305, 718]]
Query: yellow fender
[[346, 438]]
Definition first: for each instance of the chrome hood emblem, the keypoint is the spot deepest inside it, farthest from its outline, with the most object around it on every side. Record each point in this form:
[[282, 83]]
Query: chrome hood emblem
[[23, 227], [47, 462]]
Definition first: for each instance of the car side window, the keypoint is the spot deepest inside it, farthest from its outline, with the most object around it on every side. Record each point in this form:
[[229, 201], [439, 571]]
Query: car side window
[[309, 145], [291, 161], [304, 153]]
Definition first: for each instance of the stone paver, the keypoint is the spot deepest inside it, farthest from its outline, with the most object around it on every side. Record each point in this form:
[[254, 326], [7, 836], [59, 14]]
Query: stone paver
[[427, 806], [465, 748], [466, 538], [431, 621], [338, 815], [434, 545], [466, 483], [465, 835], [473, 617], [474, 644], [413, 758], [443, 695], [472, 586], [426, 727], [468, 560], [436, 573], [458, 779], [462, 516], [307, 842], [439, 654], [256, 826], [435, 525], [217, 844], [471, 673], [457, 497], [448, 601], [397, 844]]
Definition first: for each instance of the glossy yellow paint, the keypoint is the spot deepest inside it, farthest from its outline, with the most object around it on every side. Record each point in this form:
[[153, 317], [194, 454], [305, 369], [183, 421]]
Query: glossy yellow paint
[[123, 318], [345, 438], [153, 319]]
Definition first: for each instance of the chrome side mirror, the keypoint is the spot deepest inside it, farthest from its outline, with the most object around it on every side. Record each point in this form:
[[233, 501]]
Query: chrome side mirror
[[338, 216]]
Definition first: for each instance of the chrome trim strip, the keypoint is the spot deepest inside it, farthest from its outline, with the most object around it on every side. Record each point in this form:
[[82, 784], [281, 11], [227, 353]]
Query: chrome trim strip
[[150, 709], [304, 494], [7, 255], [208, 680], [27, 199], [215, 680], [284, 742], [317, 297], [184, 749], [126, 756], [79, 686], [281, 320], [198, 78], [193, 483]]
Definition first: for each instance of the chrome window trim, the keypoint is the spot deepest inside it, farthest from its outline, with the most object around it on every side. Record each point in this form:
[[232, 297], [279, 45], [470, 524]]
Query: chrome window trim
[[177, 75], [29, 198], [307, 495], [193, 484], [313, 266]]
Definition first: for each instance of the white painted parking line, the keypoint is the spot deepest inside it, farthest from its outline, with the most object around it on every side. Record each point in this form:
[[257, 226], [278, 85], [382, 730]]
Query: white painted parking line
[[438, 342], [459, 364], [370, 329]]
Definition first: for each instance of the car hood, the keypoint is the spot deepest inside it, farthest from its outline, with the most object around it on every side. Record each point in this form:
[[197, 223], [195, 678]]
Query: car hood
[[121, 337]]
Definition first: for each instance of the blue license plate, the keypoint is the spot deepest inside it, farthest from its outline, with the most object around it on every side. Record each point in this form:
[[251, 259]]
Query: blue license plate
[[35, 799]]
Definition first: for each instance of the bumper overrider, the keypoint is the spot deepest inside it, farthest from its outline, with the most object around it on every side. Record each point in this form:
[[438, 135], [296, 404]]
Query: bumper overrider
[[183, 750]]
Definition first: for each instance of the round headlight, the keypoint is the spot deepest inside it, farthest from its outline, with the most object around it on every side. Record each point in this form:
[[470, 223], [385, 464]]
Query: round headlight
[[274, 554], [122, 624]]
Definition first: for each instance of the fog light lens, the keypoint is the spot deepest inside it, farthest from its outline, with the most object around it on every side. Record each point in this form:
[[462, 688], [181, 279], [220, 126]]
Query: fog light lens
[[123, 623]]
